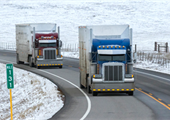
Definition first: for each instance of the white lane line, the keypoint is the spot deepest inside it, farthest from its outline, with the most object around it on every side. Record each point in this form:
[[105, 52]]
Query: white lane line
[[88, 99], [153, 75]]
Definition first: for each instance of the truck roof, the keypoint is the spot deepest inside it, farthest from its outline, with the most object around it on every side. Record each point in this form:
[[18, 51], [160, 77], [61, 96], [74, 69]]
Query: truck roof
[[27, 24], [109, 31], [39, 27]]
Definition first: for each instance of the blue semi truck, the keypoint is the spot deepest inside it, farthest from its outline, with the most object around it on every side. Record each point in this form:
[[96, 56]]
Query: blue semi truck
[[105, 59]]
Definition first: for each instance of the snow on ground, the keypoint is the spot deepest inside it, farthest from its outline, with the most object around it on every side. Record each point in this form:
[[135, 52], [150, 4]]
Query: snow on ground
[[33, 97], [149, 19], [70, 54], [159, 62], [152, 66], [32, 92], [140, 64]]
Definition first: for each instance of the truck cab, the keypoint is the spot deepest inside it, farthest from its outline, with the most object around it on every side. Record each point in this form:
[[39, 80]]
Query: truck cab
[[47, 46], [112, 60], [110, 53]]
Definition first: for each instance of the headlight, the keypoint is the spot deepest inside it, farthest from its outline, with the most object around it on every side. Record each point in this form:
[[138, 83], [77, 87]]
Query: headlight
[[39, 56], [129, 75], [97, 76]]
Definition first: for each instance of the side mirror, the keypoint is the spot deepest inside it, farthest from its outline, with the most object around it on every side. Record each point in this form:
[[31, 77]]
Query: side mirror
[[60, 43], [89, 56], [33, 44]]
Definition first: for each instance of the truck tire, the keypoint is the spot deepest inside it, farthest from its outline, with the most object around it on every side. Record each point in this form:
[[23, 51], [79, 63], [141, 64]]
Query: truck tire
[[130, 93], [17, 59], [88, 89], [38, 67], [88, 86], [94, 93], [30, 62], [81, 86], [60, 66]]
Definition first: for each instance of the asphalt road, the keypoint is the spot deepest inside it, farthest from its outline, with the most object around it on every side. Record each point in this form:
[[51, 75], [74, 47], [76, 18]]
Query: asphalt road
[[150, 100]]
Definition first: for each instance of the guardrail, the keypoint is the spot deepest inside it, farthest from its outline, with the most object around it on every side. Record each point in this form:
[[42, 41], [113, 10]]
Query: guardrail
[[67, 47], [7, 46], [161, 59], [70, 47]]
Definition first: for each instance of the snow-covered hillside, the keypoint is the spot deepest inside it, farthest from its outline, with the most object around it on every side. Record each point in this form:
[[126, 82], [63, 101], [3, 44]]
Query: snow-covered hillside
[[149, 20], [33, 97]]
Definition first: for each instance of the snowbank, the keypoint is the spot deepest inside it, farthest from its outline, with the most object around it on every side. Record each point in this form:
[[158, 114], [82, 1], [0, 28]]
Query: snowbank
[[33, 97], [152, 66], [71, 54]]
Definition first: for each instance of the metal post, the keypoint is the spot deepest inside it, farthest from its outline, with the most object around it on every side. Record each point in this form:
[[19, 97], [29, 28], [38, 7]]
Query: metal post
[[158, 48], [135, 48], [135, 54], [155, 46], [11, 103], [34, 43], [166, 47], [59, 41]]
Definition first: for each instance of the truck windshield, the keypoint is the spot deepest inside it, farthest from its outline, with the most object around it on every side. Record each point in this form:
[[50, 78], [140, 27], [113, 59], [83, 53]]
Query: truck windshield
[[47, 44], [111, 57]]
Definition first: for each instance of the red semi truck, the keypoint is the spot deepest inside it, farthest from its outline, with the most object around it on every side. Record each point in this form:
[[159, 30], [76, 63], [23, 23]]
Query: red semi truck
[[38, 44]]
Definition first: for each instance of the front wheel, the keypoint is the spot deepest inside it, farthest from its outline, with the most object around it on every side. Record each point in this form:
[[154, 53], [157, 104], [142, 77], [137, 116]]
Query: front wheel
[[130, 93], [94, 93], [38, 67], [81, 86], [88, 86], [17, 60], [30, 62]]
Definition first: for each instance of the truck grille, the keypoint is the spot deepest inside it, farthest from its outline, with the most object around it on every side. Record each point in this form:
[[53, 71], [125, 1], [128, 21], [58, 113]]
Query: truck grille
[[49, 54], [113, 73]]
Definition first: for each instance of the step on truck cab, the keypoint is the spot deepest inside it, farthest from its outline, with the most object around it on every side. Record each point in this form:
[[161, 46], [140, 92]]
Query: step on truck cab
[[105, 59], [39, 44]]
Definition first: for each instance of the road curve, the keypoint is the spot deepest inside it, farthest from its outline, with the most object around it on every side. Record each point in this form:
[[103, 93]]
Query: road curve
[[76, 104], [108, 106]]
